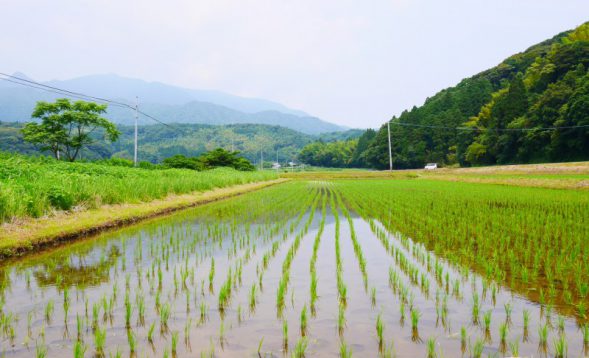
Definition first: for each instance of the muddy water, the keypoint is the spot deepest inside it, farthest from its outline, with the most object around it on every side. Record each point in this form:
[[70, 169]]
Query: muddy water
[[100, 272]]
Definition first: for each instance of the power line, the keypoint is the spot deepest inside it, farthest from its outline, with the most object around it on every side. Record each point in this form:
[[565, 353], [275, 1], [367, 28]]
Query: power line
[[50, 90], [67, 91], [472, 129], [78, 95]]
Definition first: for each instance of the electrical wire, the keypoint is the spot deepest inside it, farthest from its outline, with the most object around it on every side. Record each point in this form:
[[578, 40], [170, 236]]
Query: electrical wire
[[78, 95], [474, 129]]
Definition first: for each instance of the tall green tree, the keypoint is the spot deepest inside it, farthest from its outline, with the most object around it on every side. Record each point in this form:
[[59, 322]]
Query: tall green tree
[[66, 127]]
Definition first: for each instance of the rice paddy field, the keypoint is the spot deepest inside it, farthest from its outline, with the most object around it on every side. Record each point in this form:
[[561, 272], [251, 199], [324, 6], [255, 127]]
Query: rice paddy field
[[366, 268]]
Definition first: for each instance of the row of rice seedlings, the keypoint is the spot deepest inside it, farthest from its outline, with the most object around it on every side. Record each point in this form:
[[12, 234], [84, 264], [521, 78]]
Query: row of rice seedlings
[[341, 286], [524, 262], [357, 247], [312, 263], [440, 278], [285, 278], [108, 303]]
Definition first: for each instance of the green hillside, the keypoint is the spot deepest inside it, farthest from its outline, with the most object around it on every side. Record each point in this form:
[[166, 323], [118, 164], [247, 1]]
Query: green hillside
[[157, 142], [502, 114]]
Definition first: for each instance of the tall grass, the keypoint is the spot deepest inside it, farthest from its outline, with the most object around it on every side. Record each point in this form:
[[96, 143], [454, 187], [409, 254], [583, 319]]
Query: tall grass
[[33, 187]]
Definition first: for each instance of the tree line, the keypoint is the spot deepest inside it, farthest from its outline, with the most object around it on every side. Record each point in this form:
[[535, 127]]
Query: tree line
[[507, 114]]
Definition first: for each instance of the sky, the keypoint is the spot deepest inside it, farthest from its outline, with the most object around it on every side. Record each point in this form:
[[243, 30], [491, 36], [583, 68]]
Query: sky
[[351, 62]]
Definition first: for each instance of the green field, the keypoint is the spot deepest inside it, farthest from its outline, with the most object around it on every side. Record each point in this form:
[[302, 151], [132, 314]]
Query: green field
[[33, 187], [365, 267]]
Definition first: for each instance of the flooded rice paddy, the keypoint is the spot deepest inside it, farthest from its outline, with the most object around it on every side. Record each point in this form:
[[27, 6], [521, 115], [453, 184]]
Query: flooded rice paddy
[[300, 269]]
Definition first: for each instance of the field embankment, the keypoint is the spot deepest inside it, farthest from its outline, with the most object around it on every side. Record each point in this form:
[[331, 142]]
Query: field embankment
[[42, 199], [551, 175], [23, 236]]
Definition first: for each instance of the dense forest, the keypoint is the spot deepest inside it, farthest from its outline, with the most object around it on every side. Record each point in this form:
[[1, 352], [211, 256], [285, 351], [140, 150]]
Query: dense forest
[[157, 142], [504, 115]]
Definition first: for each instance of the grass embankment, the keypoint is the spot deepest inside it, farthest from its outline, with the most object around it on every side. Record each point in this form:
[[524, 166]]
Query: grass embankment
[[42, 199], [26, 235], [552, 175]]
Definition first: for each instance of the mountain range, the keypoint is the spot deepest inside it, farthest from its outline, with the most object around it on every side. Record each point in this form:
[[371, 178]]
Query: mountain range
[[170, 104]]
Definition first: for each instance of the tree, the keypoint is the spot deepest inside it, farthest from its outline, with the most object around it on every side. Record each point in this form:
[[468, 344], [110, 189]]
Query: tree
[[66, 127], [224, 158], [180, 161]]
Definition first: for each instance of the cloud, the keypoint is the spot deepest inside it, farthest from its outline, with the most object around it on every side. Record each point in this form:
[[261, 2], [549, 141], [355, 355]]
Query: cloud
[[351, 62]]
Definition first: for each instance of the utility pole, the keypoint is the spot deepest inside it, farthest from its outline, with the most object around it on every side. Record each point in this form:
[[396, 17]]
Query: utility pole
[[232, 139], [261, 159], [390, 149], [136, 119]]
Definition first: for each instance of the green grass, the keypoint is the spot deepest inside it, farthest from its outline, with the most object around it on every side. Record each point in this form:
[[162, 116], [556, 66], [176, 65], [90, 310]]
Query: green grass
[[33, 187]]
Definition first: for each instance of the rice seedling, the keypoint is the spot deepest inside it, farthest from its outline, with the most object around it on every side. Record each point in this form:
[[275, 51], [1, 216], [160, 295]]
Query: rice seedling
[[150, 332], [174, 342], [431, 348], [341, 320], [304, 321], [560, 347], [132, 340], [99, 340], [79, 327], [345, 351], [503, 330], [79, 349], [487, 320], [514, 347], [463, 337], [222, 331], [415, 315], [380, 331], [300, 348], [285, 334], [252, 297], [526, 319], [260, 346], [40, 350], [543, 335], [203, 311], [476, 351], [49, 311], [164, 317]]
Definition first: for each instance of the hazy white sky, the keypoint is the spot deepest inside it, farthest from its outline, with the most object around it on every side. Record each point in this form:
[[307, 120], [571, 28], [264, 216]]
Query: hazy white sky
[[351, 62]]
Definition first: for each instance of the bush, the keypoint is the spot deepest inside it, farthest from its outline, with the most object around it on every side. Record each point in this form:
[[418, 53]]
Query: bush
[[60, 199]]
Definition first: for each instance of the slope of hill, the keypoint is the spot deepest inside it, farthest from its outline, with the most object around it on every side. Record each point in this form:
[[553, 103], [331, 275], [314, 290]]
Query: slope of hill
[[157, 142], [501, 114], [169, 103]]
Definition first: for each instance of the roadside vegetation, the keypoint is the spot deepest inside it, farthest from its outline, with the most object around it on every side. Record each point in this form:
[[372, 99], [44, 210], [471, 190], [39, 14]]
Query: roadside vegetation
[[37, 186]]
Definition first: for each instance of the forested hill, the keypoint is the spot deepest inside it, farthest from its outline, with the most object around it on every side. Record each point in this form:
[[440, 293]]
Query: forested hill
[[503, 111], [157, 142]]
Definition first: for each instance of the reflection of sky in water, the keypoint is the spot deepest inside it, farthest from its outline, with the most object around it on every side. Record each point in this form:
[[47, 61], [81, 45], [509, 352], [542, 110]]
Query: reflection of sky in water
[[94, 270]]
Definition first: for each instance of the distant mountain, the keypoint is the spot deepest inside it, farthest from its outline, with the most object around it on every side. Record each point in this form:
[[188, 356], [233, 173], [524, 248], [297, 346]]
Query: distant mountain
[[169, 103]]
